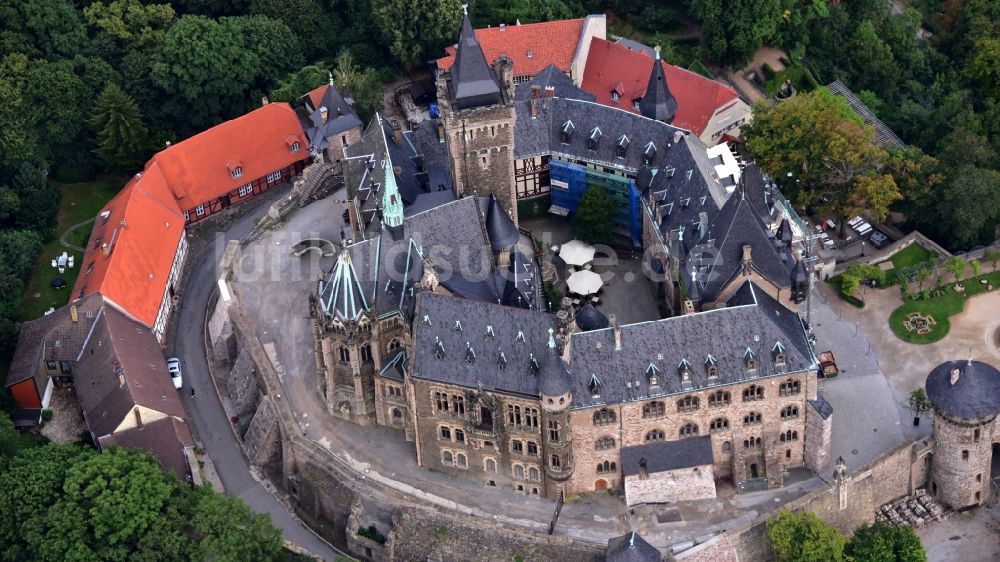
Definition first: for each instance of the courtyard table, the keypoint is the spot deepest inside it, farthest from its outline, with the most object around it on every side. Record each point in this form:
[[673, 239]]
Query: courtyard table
[[584, 283], [575, 252]]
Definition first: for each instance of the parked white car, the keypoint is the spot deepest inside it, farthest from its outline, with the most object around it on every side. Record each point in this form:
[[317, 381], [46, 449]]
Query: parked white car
[[174, 368]]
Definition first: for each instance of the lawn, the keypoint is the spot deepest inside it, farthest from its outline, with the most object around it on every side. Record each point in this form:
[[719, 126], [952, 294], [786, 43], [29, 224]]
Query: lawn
[[798, 74], [940, 307], [907, 257], [80, 201]]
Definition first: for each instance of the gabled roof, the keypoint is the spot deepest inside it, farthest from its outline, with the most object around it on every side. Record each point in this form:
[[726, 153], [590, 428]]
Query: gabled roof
[[472, 81], [165, 439], [196, 169], [751, 319], [697, 97], [668, 455], [121, 367], [142, 228], [340, 115], [551, 77], [532, 46], [630, 547]]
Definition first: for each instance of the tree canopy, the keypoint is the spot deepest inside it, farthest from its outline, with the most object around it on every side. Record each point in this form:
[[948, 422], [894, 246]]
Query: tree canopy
[[881, 543], [803, 537], [592, 219]]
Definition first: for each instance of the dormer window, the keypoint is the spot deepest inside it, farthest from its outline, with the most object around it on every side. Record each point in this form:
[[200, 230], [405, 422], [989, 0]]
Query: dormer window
[[438, 348], [684, 369], [750, 358], [649, 153], [520, 337], [711, 366], [567, 132], [594, 138], [426, 320], [622, 146], [778, 353], [635, 103], [595, 386], [615, 96], [502, 361], [295, 146], [489, 332], [533, 365], [236, 172], [458, 326], [470, 354], [653, 373]]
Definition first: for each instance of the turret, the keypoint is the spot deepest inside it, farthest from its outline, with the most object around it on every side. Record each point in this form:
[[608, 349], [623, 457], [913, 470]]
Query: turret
[[658, 103]]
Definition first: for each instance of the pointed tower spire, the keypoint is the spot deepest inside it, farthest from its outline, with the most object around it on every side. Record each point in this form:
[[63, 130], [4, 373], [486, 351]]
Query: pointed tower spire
[[472, 81], [658, 103], [392, 202]]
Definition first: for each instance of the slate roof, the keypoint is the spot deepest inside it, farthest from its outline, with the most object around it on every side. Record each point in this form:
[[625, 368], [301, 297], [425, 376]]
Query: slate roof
[[737, 224], [561, 84], [589, 318], [975, 395], [54, 337], [630, 547], [341, 116], [610, 64], [668, 455], [122, 346], [142, 227], [473, 83], [823, 407], [500, 227], [683, 164], [751, 320], [450, 327], [532, 46], [165, 439], [658, 103]]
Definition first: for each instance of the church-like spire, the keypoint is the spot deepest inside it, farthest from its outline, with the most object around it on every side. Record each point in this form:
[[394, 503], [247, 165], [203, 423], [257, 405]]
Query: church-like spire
[[658, 103], [392, 202], [472, 81]]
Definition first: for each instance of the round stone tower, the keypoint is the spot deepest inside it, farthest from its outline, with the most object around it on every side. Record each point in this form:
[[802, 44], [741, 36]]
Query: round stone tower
[[966, 399], [555, 392]]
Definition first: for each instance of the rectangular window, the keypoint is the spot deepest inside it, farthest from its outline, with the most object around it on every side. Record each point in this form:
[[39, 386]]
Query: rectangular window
[[517, 446], [459, 404], [187, 216], [532, 448], [553, 430], [50, 365], [445, 433], [295, 146], [236, 172], [274, 176], [246, 190], [199, 210]]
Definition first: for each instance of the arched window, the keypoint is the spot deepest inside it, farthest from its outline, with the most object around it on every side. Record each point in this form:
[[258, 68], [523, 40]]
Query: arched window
[[653, 409], [790, 387], [751, 443], [606, 467], [604, 416], [690, 429], [366, 353], [718, 424], [397, 416], [719, 398], [655, 435], [753, 418], [345, 354], [687, 404], [604, 443], [788, 436], [518, 472], [789, 412], [533, 474], [753, 393], [727, 446], [447, 458], [490, 465], [394, 344], [460, 460]]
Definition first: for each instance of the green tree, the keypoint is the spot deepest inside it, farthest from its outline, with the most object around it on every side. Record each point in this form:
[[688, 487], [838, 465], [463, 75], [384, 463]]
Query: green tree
[[495, 12], [956, 266], [49, 29], [316, 29], [918, 403], [992, 256], [130, 23], [592, 219], [882, 543], [977, 267], [872, 60], [18, 249], [121, 136], [415, 30], [39, 201], [228, 530], [364, 85], [298, 83], [983, 69], [274, 44], [969, 224], [803, 537], [816, 137], [733, 30], [19, 139]]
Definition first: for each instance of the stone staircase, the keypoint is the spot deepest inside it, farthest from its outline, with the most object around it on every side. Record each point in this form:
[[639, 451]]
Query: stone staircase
[[317, 181]]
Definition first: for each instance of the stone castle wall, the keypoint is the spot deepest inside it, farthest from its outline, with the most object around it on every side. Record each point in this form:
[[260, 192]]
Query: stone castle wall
[[684, 484]]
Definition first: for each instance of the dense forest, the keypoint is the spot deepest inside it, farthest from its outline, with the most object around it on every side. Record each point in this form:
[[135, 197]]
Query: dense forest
[[96, 87]]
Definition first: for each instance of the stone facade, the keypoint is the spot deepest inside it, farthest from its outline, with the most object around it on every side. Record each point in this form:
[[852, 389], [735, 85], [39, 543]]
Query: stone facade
[[685, 484], [960, 466], [241, 384], [819, 428], [480, 143]]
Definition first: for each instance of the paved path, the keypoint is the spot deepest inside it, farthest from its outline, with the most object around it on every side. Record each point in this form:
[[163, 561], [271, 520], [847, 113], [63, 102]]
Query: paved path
[[62, 237], [206, 413]]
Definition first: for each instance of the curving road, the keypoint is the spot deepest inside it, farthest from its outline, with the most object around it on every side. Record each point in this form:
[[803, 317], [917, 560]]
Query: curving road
[[205, 411]]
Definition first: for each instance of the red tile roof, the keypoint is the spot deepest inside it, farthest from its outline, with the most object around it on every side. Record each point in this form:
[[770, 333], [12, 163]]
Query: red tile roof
[[198, 169], [611, 66], [551, 42], [142, 229]]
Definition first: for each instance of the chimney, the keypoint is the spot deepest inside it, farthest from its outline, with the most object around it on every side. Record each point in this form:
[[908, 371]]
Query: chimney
[[138, 417], [323, 113], [955, 374], [397, 135], [688, 307], [550, 91], [264, 101], [534, 108], [440, 132], [747, 258], [106, 248], [702, 223], [74, 314], [167, 143], [397, 170], [536, 91], [678, 135], [618, 331]]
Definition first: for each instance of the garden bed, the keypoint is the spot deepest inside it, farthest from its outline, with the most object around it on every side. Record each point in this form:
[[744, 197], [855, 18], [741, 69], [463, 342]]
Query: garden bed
[[940, 308]]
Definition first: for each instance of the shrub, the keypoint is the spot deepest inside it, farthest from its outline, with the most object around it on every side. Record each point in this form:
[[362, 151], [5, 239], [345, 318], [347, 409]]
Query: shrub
[[371, 533], [47, 414], [553, 295], [767, 71]]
